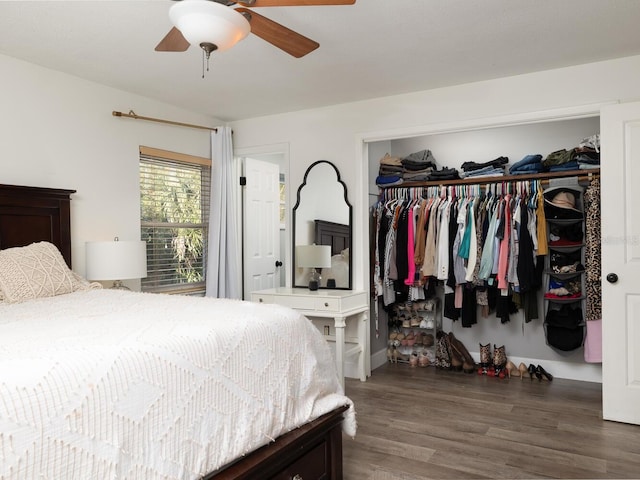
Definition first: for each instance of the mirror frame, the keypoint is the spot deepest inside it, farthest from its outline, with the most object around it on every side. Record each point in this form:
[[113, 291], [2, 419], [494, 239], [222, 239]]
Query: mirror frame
[[293, 225]]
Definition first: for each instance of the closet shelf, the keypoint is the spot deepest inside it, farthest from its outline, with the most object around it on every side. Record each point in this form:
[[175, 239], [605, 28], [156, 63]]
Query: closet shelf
[[567, 248], [564, 276], [565, 221], [564, 300]]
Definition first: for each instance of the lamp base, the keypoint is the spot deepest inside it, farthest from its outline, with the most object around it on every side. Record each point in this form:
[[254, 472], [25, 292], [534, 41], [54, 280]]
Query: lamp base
[[314, 279], [118, 285]]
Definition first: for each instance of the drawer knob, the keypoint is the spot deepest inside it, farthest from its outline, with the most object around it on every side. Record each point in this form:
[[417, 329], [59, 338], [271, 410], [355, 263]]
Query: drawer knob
[[326, 304], [260, 300], [297, 477]]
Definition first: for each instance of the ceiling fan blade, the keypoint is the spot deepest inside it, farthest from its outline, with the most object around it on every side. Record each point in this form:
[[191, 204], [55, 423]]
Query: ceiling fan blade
[[278, 35], [293, 3], [172, 42]]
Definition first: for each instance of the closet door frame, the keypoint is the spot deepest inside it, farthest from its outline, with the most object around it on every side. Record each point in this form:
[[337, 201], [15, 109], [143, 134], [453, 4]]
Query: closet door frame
[[586, 372]]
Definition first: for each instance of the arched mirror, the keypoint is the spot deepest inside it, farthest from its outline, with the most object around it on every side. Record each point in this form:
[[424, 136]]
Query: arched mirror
[[322, 217]]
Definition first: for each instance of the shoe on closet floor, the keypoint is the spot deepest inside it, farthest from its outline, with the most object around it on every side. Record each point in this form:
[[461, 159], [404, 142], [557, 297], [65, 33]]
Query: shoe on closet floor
[[522, 369], [541, 372]]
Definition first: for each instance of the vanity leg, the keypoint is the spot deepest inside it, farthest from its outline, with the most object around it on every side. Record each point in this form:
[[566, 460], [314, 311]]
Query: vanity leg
[[363, 338], [340, 323]]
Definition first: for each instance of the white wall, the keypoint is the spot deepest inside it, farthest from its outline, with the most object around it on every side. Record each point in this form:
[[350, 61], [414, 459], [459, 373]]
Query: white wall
[[57, 131], [339, 133]]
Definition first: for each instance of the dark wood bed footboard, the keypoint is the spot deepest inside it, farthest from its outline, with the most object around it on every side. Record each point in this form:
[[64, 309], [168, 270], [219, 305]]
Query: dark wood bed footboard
[[311, 452]]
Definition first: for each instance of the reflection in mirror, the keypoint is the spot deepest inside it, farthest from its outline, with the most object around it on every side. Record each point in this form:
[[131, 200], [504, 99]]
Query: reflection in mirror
[[322, 216]]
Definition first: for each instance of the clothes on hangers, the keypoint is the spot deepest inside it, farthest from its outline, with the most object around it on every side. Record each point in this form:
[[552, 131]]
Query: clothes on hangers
[[473, 241]]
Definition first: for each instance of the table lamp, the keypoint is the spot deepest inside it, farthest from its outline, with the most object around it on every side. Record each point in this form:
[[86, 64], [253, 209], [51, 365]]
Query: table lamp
[[313, 257], [116, 260]]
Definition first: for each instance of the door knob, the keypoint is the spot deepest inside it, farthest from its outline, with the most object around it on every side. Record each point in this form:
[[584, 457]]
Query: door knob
[[612, 278], [278, 263]]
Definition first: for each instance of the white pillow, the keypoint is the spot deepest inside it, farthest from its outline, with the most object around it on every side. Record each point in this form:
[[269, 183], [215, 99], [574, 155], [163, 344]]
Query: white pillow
[[35, 271]]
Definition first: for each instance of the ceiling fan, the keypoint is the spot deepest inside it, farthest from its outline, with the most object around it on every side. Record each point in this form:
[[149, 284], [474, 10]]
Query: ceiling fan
[[219, 24]]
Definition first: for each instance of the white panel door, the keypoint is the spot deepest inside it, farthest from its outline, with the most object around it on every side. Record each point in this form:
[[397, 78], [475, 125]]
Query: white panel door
[[620, 197], [261, 226]]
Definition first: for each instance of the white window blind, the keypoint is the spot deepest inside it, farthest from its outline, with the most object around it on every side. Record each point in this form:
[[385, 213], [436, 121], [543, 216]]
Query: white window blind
[[174, 211]]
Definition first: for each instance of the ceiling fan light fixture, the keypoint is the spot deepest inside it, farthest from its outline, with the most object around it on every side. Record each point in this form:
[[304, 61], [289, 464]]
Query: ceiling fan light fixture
[[205, 21]]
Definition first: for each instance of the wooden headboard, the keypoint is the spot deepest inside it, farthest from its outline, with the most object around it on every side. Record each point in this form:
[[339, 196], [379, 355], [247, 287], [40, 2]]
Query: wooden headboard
[[335, 234], [33, 214]]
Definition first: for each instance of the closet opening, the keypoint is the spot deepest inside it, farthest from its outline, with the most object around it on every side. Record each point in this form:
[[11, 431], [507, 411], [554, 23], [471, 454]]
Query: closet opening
[[524, 341]]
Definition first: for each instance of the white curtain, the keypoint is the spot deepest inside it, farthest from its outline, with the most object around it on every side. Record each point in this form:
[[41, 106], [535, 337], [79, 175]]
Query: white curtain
[[223, 259]]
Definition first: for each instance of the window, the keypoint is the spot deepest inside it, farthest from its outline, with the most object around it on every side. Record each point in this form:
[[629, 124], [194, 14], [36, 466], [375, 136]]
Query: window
[[174, 218]]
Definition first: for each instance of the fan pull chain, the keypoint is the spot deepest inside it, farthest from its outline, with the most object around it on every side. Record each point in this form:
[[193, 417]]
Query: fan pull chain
[[207, 48], [203, 61]]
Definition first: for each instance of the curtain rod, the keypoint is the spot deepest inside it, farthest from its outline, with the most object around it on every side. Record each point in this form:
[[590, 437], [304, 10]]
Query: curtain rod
[[135, 116]]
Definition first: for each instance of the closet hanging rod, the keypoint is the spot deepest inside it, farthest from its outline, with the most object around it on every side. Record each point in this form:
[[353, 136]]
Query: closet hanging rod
[[135, 116], [582, 175]]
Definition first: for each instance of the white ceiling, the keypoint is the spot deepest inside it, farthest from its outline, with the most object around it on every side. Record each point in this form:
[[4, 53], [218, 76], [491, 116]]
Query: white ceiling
[[374, 48]]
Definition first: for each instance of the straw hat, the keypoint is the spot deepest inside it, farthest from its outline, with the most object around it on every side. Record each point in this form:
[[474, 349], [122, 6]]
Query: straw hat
[[563, 199]]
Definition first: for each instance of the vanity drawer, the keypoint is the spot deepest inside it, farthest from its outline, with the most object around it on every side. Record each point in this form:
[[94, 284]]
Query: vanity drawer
[[260, 298], [327, 304], [297, 303]]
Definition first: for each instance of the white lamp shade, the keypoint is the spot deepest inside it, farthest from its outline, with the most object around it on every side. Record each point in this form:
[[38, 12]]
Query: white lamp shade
[[116, 260], [202, 21], [315, 256]]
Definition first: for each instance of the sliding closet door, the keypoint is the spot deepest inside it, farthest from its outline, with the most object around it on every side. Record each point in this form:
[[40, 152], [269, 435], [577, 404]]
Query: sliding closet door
[[620, 140]]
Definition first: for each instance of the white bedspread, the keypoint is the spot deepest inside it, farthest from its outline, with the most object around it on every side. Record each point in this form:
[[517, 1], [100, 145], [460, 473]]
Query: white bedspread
[[109, 384]]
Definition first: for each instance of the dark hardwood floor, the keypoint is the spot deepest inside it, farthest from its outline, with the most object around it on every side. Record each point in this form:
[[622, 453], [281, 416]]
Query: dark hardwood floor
[[423, 423]]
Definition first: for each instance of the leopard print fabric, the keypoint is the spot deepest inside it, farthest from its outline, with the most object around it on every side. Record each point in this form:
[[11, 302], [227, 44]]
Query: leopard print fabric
[[499, 356], [593, 266], [485, 355], [443, 357]]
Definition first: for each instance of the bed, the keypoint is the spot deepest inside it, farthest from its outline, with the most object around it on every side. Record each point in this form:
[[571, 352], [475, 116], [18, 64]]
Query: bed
[[97, 383]]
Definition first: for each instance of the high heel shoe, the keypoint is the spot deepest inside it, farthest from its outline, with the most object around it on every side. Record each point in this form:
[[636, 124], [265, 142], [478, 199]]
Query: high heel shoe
[[532, 370], [540, 372], [537, 372], [511, 368], [522, 368]]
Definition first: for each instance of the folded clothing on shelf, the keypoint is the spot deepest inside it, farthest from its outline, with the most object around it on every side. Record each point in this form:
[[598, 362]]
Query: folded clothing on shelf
[[499, 162], [529, 164], [564, 288]]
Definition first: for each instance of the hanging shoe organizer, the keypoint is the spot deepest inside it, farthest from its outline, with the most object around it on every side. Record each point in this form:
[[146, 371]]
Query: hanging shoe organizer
[[564, 273]]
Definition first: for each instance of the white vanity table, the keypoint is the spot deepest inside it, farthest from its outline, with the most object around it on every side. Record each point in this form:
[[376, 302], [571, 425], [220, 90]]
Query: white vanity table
[[342, 306]]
